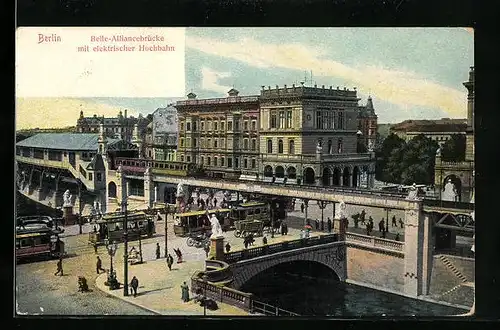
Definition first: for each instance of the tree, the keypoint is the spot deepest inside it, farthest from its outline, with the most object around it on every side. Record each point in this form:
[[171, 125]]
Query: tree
[[418, 161], [454, 149], [383, 154]]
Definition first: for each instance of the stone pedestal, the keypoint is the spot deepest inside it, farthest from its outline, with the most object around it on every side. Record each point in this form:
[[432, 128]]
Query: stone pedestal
[[217, 248], [340, 227], [68, 216]]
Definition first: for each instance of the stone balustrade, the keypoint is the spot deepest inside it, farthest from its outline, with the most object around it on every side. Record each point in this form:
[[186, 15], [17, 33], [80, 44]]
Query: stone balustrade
[[375, 242]]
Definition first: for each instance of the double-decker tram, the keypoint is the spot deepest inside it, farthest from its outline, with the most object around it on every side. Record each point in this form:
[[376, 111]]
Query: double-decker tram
[[111, 227], [38, 240], [192, 222]]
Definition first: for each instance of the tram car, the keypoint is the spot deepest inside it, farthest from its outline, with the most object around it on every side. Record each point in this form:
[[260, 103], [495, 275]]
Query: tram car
[[193, 222], [111, 227], [159, 167], [38, 240], [254, 211]]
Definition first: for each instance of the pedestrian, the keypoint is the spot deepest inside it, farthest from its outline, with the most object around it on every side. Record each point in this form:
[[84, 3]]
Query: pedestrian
[[158, 252], [362, 216], [179, 255], [245, 242], [228, 247], [282, 228], [264, 240], [170, 261], [207, 249], [368, 229], [98, 265], [401, 223], [215, 202], [134, 284], [302, 207], [394, 223], [329, 225], [397, 237], [59, 267], [322, 224], [95, 248], [316, 224], [382, 234], [286, 228], [381, 225], [185, 292]]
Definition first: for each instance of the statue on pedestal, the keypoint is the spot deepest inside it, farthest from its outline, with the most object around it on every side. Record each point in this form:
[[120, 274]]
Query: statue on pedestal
[[216, 228], [412, 192], [67, 198], [450, 191]]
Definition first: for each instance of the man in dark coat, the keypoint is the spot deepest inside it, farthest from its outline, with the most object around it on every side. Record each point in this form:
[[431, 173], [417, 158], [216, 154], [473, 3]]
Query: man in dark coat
[[302, 207], [316, 224], [329, 225], [170, 261], [228, 247], [59, 267], [158, 255], [381, 226], [322, 225], [98, 266], [134, 284], [394, 223]]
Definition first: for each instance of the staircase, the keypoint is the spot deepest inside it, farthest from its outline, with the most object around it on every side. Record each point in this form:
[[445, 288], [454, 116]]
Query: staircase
[[454, 270], [450, 291]]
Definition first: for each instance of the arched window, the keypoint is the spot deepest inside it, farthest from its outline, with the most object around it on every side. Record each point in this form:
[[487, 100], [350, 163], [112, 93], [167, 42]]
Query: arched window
[[291, 147], [339, 146], [280, 146], [330, 147], [112, 189], [269, 146]]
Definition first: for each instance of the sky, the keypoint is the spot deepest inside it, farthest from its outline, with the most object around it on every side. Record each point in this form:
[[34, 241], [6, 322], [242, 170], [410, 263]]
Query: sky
[[410, 73]]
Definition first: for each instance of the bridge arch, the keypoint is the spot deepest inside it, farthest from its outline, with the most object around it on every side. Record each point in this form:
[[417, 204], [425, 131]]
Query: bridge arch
[[112, 189], [309, 175], [333, 257]]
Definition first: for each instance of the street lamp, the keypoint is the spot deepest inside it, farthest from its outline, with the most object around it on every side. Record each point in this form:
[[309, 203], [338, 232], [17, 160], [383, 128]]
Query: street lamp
[[111, 248], [166, 216], [125, 248], [387, 219], [80, 206]]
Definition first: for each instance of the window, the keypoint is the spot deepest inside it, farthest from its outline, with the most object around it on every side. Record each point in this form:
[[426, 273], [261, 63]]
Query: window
[[339, 146], [330, 147], [208, 161], [221, 125], [254, 144], [253, 163], [254, 125], [194, 126], [325, 119], [188, 159], [202, 125], [280, 146], [182, 158], [182, 126], [291, 147], [236, 125], [195, 144], [209, 143], [215, 161], [282, 119], [202, 160], [202, 143], [182, 142], [91, 177], [236, 162], [245, 144], [341, 120], [38, 154], [289, 119], [215, 126], [222, 143], [319, 120], [269, 146], [149, 153], [188, 126], [273, 121], [230, 162], [330, 119], [229, 125], [215, 143], [245, 125], [245, 163], [99, 177], [222, 161]]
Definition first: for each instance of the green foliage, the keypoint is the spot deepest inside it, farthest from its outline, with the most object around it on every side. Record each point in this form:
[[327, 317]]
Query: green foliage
[[454, 149], [409, 163], [383, 154]]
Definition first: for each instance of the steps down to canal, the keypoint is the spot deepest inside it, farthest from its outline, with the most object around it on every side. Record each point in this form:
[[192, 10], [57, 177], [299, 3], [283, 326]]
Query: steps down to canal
[[452, 280]]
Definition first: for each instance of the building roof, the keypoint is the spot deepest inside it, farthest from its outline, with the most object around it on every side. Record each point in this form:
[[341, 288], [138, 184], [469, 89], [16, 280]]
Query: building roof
[[96, 164], [439, 125], [62, 141]]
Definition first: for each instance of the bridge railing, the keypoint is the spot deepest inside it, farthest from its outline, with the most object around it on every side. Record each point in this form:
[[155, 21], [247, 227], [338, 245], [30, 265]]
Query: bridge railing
[[217, 271], [236, 256], [375, 242], [449, 204], [266, 309]]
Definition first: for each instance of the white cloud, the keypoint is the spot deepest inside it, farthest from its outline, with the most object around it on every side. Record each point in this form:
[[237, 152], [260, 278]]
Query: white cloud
[[397, 87], [210, 80]]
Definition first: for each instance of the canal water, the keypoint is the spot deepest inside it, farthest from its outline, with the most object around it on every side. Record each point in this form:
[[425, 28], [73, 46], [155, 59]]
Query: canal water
[[318, 292]]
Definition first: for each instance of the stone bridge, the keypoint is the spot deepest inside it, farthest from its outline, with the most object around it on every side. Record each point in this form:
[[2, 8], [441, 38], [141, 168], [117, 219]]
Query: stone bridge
[[332, 255]]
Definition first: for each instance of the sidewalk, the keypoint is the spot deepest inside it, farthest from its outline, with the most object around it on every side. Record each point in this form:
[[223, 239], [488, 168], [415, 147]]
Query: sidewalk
[[160, 289]]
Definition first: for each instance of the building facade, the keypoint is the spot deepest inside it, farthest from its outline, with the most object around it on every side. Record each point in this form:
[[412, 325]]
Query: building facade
[[438, 130], [459, 176], [367, 124], [161, 136], [120, 127], [309, 135], [220, 134]]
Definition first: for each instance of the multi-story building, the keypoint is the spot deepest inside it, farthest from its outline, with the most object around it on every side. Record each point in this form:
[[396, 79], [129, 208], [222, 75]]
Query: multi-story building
[[438, 130], [221, 134], [120, 127], [309, 135], [460, 174], [367, 123], [161, 136]]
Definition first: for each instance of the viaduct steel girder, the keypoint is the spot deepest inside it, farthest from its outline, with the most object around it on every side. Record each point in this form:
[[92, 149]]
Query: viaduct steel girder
[[352, 196], [458, 222]]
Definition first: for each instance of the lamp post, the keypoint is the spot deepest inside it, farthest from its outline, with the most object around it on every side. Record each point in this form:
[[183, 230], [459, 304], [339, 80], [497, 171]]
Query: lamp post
[[166, 216], [80, 206], [111, 248], [125, 250], [322, 205], [271, 209], [386, 209]]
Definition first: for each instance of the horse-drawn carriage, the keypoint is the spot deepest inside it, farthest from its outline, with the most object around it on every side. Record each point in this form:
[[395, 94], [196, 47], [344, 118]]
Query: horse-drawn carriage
[[247, 227]]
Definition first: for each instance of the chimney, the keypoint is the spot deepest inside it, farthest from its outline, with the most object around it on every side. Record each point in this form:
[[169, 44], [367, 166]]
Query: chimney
[[323, 86], [125, 113]]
